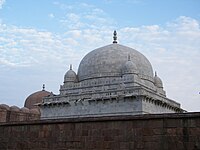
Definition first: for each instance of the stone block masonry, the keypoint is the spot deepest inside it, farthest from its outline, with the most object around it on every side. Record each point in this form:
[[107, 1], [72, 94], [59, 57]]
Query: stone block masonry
[[141, 132], [15, 114]]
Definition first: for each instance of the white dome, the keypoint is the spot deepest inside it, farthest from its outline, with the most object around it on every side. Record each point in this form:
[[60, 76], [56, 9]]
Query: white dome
[[158, 81], [129, 67], [109, 61], [70, 76]]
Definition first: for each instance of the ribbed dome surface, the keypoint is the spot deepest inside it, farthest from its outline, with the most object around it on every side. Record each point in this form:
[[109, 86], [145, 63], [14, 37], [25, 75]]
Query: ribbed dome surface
[[35, 98], [109, 61]]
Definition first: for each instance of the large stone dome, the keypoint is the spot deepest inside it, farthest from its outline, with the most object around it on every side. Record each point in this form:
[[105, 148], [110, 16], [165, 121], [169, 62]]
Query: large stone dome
[[109, 61]]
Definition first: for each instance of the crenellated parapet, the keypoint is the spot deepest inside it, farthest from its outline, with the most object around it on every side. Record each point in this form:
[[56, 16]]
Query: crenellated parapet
[[14, 113]]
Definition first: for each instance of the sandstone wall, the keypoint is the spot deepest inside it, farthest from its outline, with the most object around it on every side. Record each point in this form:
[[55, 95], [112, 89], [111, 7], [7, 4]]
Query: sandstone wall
[[143, 132], [15, 114]]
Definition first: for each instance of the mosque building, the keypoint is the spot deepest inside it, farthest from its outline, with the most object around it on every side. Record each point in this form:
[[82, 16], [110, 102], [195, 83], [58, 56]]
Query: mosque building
[[111, 80], [98, 107]]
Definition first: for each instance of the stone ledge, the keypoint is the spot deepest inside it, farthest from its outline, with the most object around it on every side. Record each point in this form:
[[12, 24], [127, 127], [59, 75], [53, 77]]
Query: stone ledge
[[107, 118]]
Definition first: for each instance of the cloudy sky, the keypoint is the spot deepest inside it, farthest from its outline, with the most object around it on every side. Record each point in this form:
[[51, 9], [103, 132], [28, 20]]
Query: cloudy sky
[[39, 39]]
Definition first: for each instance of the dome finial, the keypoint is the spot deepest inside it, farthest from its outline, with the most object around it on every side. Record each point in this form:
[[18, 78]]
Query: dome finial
[[43, 87], [70, 67], [115, 37]]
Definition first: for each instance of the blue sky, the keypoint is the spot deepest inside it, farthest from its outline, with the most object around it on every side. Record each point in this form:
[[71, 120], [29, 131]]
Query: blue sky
[[46, 14], [40, 38]]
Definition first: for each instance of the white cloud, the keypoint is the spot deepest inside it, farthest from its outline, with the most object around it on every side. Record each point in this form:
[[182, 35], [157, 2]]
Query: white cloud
[[135, 2], [90, 17], [73, 17], [1, 3], [31, 47], [51, 15]]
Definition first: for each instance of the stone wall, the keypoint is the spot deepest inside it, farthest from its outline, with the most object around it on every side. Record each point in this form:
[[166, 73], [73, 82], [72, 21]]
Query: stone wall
[[142, 132], [15, 114]]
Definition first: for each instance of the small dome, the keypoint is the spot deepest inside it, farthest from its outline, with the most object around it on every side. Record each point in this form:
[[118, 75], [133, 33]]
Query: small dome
[[26, 110], [4, 106], [70, 76], [129, 67], [158, 81], [14, 108], [35, 98]]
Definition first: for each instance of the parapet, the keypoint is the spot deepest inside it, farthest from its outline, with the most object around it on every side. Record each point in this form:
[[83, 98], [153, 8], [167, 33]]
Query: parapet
[[4, 106], [16, 114]]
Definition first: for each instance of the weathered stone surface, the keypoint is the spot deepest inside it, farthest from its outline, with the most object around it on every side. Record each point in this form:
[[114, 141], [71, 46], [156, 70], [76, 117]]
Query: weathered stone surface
[[3, 115], [111, 80], [15, 115], [142, 132]]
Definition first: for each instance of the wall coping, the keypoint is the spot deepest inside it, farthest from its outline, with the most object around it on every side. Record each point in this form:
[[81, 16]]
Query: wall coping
[[105, 118]]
